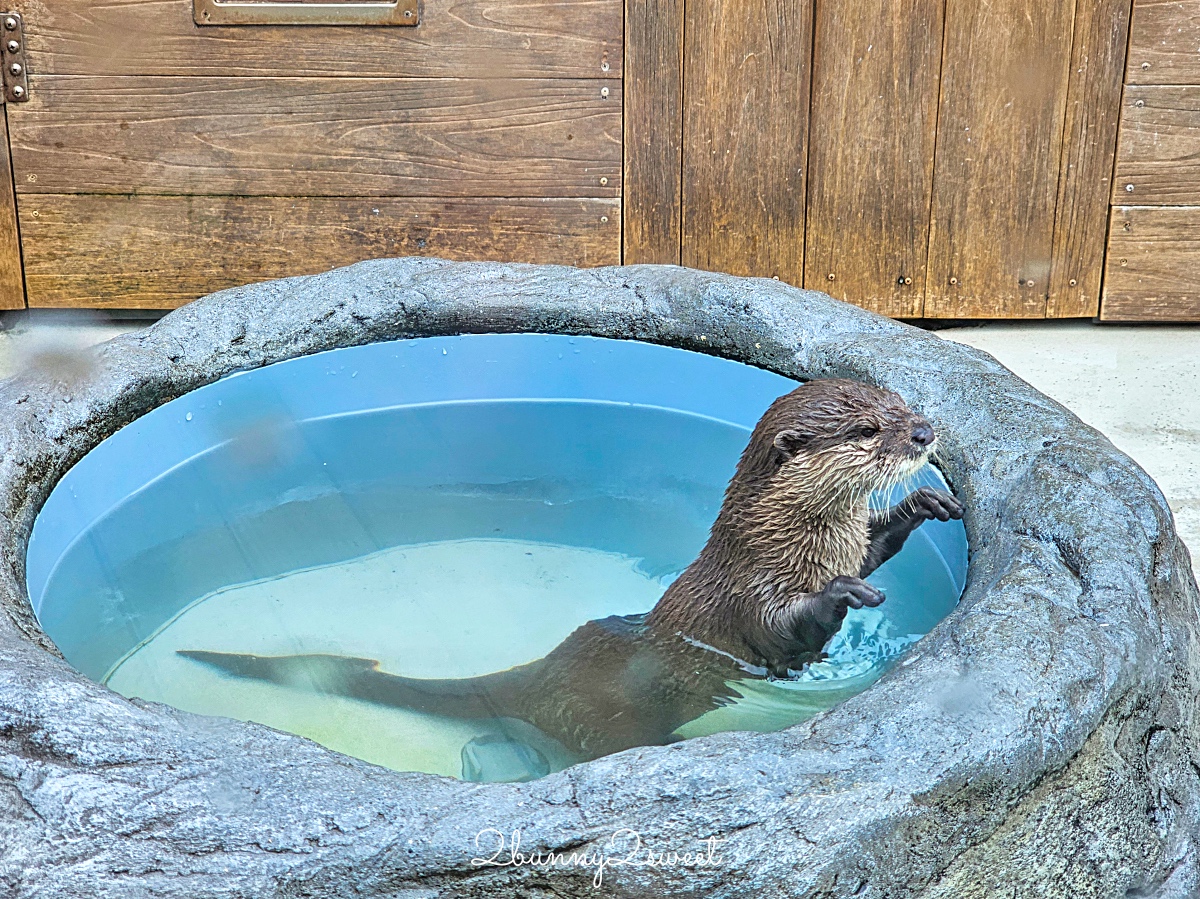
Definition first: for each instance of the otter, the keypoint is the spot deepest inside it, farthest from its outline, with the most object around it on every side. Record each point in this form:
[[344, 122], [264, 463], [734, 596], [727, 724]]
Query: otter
[[785, 560]]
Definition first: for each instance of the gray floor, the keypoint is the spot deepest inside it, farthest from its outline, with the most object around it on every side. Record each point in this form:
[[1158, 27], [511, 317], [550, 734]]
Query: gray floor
[[1140, 385]]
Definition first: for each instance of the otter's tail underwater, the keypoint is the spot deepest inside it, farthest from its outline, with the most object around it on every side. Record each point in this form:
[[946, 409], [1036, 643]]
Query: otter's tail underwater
[[488, 696]]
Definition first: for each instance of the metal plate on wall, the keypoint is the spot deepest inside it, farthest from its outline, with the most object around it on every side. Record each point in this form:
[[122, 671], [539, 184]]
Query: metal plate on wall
[[291, 12]]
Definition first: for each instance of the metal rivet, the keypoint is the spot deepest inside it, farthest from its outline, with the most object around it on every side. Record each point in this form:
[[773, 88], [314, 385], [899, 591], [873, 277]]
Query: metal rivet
[[604, 179], [1072, 282], [13, 46], [908, 281], [1145, 65], [1128, 188], [604, 92], [18, 91], [604, 67], [10, 23], [15, 68], [954, 281], [1139, 103], [604, 219], [832, 276]]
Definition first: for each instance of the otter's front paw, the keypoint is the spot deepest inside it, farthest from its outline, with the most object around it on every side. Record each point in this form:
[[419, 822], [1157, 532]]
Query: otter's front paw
[[842, 593], [928, 503]]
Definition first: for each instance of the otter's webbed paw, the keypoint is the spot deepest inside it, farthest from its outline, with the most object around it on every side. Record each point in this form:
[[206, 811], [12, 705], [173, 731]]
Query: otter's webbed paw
[[821, 614], [840, 594], [928, 503]]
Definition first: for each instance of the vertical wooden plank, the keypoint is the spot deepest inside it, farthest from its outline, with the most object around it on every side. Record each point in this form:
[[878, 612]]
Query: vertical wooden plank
[[653, 131], [876, 70], [1000, 131], [1090, 144], [12, 278], [746, 101]]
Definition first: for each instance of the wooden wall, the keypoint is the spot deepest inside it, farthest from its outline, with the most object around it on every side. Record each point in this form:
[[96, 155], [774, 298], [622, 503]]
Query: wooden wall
[[922, 158], [944, 158], [1153, 264], [156, 161]]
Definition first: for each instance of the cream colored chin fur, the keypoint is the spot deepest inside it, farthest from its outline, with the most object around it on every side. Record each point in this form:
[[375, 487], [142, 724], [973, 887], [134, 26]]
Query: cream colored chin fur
[[812, 527]]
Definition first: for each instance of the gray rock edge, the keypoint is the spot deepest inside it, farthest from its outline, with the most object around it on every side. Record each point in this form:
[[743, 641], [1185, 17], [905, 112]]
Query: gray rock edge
[[1041, 741]]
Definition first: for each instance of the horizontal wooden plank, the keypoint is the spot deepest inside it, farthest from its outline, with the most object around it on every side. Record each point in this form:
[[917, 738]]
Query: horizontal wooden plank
[[1164, 42], [1158, 156], [1153, 264], [456, 38], [161, 252], [318, 137]]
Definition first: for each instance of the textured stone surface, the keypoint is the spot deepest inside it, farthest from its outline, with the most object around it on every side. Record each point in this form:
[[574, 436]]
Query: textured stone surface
[[1042, 741]]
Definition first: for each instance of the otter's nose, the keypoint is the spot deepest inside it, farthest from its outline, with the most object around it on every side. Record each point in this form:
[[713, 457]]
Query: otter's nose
[[922, 434]]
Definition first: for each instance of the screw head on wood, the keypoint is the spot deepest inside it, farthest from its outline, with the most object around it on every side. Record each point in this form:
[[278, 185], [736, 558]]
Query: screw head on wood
[[604, 92], [832, 276], [907, 281], [10, 23], [13, 46], [953, 281], [1145, 65], [15, 68], [18, 91], [1139, 103], [603, 180], [1128, 188], [1072, 282]]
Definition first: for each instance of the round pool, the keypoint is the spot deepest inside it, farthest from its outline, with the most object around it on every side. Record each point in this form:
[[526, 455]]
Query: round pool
[[448, 507]]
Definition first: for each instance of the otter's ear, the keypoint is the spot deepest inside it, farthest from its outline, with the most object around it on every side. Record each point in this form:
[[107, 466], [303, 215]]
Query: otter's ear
[[788, 445]]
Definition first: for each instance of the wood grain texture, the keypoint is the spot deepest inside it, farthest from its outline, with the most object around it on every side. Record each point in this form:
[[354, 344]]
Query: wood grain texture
[[653, 131], [161, 252], [318, 137], [874, 118], [1164, 42], [456, 38], [1153, 265], [12, 279], [1000, 129], [1090, 143], [746, 102], [1158, 160]]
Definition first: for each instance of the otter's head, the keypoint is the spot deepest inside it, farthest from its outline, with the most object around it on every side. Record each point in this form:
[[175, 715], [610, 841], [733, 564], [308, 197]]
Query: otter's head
[[836, 438]]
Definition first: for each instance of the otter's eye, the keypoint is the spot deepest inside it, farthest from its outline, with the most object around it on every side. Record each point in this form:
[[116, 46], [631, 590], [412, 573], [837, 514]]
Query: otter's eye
[[867, 433]]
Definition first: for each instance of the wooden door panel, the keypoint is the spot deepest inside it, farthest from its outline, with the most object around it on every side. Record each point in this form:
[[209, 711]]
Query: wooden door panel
[[160, 252], [653, 203], [1153, 265], [1090, 142], [876, 71], [12, 281], [461, 38], [319, 137], [1004, 86], [746, 90]]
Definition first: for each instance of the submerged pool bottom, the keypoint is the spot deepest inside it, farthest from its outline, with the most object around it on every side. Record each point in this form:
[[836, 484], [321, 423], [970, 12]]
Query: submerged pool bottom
[[440, 539]]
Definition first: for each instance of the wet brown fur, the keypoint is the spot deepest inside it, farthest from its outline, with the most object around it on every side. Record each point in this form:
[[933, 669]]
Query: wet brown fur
[[795, 516]]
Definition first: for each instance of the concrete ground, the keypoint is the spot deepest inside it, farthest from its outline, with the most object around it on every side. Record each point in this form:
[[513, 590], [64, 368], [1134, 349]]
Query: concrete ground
[[1137, 384], [1140, 384]]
